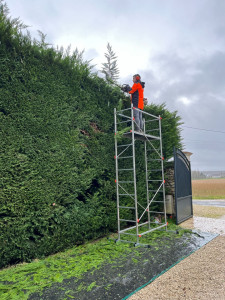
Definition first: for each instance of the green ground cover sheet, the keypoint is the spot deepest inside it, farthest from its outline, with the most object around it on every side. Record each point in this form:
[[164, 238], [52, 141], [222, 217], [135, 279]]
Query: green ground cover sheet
[[99, 270]]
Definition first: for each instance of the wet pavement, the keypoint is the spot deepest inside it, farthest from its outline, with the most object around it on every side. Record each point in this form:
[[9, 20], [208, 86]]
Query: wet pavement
[[216, 203], [203, 224]]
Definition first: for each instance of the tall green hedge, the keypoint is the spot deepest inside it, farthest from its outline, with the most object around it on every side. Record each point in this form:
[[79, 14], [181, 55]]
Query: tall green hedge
[[57, 146]]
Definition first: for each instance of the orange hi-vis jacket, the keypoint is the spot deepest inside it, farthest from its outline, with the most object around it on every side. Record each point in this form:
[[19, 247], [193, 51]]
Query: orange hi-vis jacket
[[137, 94]]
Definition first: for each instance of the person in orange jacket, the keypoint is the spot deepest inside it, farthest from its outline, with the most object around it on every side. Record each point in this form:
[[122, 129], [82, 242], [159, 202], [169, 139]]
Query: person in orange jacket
[[137, 98]]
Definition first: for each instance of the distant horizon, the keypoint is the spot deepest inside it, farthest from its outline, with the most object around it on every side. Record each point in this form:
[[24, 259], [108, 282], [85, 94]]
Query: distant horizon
[[221, 171]]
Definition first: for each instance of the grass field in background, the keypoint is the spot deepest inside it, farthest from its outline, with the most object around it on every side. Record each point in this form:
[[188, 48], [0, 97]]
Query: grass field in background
[[208, 188]]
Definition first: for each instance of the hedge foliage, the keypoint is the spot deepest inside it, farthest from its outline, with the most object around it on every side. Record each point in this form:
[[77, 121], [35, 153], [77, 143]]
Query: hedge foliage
[[57, 147]]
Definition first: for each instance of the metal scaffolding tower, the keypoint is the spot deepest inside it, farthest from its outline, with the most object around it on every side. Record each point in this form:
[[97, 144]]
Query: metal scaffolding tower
[[138, 215]]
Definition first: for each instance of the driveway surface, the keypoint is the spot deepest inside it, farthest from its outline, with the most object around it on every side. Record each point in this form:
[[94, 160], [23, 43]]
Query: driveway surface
[[216, 203], [201, 276]]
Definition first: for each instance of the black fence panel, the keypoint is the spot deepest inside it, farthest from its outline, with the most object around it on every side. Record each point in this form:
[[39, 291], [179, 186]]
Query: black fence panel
[[183, 188]]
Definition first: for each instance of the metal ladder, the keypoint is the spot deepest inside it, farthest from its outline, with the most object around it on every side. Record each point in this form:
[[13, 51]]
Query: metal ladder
[[141, 216]]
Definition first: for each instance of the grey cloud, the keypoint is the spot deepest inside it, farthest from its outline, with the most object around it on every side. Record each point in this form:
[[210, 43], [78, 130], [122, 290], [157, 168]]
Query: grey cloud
[[201, 80], [191, 78], [213, 72]]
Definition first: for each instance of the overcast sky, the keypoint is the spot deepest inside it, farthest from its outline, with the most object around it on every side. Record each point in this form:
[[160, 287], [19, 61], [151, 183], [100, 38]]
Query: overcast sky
[[177, 46]]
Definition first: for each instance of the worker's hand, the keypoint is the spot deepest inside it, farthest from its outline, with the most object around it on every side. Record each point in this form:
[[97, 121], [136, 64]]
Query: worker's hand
[[125, 88], [145, 101]]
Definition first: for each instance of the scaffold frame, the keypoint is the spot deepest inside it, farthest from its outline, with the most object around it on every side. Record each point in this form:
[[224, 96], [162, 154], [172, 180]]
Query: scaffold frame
[[143, 213]]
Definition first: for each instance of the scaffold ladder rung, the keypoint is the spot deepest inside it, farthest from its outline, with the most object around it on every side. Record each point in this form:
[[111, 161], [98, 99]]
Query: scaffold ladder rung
[[158, 180], [157, 223], [158, 201], [151, 120], [120, 157], [125, 169], [123, 145], [152, 130], [156, 191], [124, 220], [127, 207], [125, 181], [156, 212], [126, 194]]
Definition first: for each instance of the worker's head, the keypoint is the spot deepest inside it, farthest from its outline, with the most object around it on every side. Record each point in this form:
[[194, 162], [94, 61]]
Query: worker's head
[[136, 78]]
